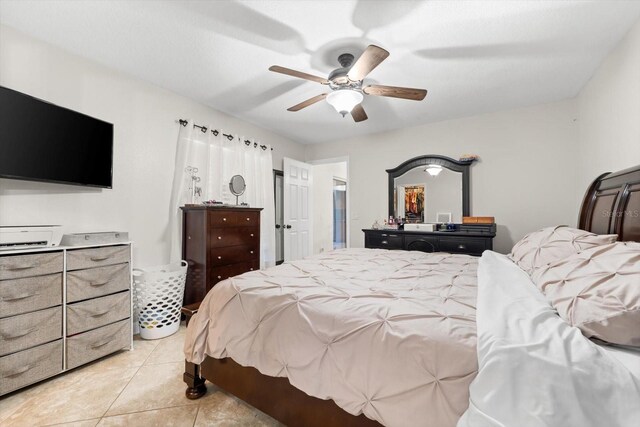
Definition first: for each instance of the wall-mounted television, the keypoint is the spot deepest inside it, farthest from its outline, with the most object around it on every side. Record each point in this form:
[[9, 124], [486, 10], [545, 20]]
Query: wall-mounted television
[[40, 141]]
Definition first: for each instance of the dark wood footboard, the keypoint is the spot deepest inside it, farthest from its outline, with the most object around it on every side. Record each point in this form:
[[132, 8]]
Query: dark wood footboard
[[274, 396]]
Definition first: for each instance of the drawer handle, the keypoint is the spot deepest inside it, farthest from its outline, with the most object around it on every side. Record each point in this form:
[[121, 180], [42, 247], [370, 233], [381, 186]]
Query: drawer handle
[[102, 313], [96, 284], [250, 251], [22, 266], [100, 258], [20, 335], [251, 269], [248, 219], [18, 371], [224, 219], [219, 257], [462, 246], [19, 297], [103, 343], [219, 277], [384, 242], [384, 235], [251, 234], [219, 237]]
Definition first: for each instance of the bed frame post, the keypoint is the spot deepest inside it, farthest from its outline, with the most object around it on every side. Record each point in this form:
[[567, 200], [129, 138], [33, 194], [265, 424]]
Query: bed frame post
[[195, 383]]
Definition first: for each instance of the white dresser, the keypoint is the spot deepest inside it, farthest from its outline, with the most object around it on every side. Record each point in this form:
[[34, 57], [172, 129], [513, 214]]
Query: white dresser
[[62, 307]]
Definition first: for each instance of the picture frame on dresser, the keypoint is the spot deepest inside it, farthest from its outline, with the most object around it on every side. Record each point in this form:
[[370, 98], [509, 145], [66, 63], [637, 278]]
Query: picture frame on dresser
[[62, 307]]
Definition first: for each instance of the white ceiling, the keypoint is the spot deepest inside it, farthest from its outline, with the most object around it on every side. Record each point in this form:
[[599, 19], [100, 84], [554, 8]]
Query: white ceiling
[[473, 56]]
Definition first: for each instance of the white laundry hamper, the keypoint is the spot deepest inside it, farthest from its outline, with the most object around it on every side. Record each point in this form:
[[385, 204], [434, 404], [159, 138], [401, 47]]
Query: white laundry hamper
[[158, 296]]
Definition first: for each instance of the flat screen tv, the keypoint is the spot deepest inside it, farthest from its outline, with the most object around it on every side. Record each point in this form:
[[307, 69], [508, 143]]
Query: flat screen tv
[[40, 141]]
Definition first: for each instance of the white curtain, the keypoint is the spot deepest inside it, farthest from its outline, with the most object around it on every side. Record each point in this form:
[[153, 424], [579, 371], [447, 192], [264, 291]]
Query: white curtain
[[217, 160]]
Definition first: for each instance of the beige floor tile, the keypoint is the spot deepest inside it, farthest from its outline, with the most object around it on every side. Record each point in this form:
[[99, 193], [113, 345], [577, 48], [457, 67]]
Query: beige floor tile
[[220, 409], [181, 416], [78, 395], [127, 358], [84, 423], [169, 349], [153, 387]]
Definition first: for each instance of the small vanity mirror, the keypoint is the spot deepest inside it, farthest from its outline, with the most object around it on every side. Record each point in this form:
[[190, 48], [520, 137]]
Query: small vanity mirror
[[237, 186], [431, 189]]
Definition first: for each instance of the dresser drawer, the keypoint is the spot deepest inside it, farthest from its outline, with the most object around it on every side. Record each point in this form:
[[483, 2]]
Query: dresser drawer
[[222, 218], [97, 257], [222, 273], [233, 254], [19, 296], [95, 282], [388, 240], [92, 345], [30, 366], [29, 330], [462, 245], [248, 219], [234, 236], [93, 313], [15, 266], [421, 243]]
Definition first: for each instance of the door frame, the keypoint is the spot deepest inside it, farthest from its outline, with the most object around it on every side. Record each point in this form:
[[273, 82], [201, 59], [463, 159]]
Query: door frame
[[342, 159]]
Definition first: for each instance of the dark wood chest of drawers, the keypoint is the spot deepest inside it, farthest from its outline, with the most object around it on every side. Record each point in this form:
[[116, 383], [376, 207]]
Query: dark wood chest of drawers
[[218, 243], [466, 239]]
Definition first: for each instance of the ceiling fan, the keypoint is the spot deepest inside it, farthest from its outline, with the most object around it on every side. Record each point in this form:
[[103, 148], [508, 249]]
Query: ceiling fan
[[346, 87]]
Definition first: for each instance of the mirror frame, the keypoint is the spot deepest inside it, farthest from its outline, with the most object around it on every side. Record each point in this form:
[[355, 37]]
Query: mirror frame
[[462, 166]]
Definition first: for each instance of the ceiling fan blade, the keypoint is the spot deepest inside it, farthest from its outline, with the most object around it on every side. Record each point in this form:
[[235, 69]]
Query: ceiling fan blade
[[308, 102], [396, 92], [370, 59], [298, 74], [358, 113]]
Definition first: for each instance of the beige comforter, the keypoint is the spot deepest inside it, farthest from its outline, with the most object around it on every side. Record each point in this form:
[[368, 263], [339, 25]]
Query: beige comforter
[[390, 334]]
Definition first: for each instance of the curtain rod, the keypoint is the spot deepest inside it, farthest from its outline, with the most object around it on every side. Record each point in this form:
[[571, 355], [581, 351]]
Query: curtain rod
[[216, 132]]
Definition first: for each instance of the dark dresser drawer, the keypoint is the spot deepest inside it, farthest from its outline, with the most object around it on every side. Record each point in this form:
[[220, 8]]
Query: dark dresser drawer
[[227, 271], [462, 245], [234, 236], [386, 240], [233, 254]]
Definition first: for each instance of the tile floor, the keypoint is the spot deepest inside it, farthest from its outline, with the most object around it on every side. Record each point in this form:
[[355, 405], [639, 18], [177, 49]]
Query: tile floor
[[142, 387]]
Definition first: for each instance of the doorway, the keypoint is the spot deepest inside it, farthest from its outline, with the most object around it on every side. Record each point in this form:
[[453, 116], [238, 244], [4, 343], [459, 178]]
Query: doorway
[[339, 214], [278, 186]]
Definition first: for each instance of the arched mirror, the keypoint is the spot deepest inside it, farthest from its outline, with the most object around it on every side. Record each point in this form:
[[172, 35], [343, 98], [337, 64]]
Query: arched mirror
[[431, 188]]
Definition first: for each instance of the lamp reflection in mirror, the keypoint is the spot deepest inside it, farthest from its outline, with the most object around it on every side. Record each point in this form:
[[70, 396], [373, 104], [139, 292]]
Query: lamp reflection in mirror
[[433, 170], [343, 100]]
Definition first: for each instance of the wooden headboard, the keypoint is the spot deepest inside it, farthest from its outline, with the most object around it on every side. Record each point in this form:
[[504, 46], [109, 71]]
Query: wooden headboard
[[612, 205]]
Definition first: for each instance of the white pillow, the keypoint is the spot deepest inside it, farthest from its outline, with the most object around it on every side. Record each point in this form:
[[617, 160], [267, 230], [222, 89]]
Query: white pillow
[[550, 244]]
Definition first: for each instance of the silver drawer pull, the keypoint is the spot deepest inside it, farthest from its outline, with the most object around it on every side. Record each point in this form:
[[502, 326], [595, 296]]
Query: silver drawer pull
[[251, 269], [219, 237], [251, 234], [219, 277], [20, 334], [18, 371], [219, 257], [19, 297], [100, 258], [96, 284], [250, 251], [384, 242], [248, 219], [462, 246], [22, 266], [384, 235], [224, 219]]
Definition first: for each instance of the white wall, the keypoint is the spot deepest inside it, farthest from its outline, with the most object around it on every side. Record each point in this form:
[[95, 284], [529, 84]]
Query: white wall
[[145, 135], [524, 178], [609, 113], [323, 175]]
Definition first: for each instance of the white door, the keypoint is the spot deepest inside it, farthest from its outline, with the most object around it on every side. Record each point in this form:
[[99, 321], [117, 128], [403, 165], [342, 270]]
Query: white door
[[297, 209]]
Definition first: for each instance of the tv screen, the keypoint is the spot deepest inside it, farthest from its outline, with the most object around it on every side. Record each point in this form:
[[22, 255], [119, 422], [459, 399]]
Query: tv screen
[[40, 141]]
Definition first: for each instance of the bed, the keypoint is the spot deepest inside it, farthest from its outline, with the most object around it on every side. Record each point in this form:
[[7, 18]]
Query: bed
[[285, 339]]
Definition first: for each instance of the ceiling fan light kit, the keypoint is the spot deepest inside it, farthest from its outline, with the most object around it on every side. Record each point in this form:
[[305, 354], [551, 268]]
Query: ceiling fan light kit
[[347, 92], [343, 100]]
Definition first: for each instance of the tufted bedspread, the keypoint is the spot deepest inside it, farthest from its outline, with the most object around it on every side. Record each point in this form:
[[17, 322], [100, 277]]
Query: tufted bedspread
[[390, 334]]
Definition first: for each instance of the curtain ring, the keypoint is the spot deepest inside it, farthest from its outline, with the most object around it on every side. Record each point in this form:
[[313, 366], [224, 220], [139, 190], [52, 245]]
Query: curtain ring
[[215, 132]]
